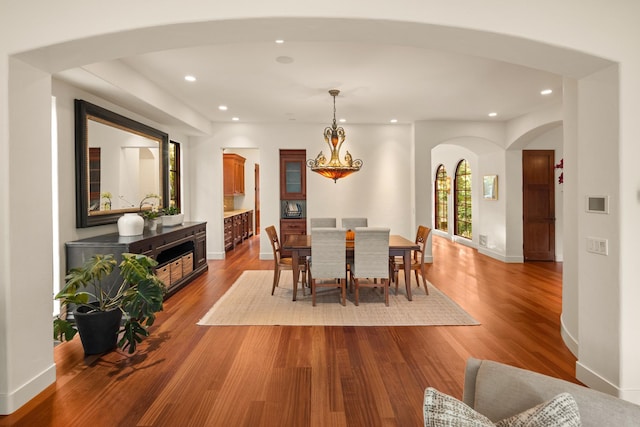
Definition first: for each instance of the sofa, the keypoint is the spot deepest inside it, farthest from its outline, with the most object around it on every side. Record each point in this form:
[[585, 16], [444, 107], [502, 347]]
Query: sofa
[[499, 391], [501, 395]]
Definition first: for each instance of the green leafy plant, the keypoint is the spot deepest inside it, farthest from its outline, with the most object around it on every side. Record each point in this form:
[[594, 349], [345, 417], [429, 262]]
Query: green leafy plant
[[171, 210], [136, 292], [152, 213]]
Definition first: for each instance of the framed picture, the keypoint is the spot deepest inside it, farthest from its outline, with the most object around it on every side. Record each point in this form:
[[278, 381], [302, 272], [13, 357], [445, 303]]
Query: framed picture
[[490, 187]]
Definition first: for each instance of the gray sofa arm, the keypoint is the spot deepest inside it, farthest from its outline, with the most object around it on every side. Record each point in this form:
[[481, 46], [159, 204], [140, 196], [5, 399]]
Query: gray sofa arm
[[499, 391]]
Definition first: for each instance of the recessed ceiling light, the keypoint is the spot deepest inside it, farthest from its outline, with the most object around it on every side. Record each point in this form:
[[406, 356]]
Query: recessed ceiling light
[[342, 120], [222, 107], [394, 120], [190, 78], [279, 41], [546, 92], [235, 119], [493, 114]]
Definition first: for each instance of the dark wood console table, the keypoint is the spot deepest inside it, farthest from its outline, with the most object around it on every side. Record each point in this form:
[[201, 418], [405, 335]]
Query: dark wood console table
[[181, 251]]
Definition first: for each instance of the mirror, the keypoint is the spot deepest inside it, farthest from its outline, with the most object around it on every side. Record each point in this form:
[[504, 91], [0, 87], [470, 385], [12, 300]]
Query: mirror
[[118, 163]]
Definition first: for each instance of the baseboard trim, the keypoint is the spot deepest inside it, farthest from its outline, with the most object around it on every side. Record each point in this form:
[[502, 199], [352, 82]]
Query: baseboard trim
[[9, 403], [215, 255], [594, 380], [569, 340]]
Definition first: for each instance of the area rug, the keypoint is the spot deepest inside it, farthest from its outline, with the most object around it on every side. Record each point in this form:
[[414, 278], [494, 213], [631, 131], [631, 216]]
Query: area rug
[[249, 302]]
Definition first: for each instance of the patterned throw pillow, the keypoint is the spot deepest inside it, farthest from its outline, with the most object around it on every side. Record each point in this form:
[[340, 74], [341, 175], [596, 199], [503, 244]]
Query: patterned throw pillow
[[562, 410], [442, 410]]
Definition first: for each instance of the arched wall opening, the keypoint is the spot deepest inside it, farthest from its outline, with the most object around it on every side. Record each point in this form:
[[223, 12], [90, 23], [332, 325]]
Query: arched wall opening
[[29, 60]]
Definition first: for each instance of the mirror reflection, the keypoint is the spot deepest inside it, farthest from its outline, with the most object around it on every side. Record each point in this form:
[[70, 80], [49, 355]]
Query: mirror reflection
[[119, 163], [123, 168]]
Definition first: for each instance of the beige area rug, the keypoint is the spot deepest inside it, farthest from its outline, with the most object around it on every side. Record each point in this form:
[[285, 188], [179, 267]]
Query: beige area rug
[[249, 302]]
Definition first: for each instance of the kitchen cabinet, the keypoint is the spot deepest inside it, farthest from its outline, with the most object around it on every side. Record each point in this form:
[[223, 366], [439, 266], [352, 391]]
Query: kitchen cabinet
[[238, 227], [293, 175], [233, 174], [289, 227]]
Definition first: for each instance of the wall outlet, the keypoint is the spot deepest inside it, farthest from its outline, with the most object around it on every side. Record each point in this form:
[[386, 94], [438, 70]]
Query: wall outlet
[[597, 245]]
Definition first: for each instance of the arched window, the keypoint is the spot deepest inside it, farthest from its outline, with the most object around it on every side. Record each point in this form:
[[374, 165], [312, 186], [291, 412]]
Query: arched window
[[442, 202], [462, 199]]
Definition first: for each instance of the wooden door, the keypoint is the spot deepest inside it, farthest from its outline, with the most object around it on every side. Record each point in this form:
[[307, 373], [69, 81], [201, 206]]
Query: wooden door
[[257, 198], [538, 210]]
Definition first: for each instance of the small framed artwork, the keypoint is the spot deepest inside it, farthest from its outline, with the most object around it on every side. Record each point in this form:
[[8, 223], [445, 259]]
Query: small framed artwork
[[490, 187]]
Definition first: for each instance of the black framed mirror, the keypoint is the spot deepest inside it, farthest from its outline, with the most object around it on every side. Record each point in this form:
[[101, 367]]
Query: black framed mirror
[[119, 161]]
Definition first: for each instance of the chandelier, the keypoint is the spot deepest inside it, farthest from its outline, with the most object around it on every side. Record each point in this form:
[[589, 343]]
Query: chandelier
[[334, 136]]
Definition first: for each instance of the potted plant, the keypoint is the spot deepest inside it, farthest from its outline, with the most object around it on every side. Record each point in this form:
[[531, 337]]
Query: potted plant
[[150, 211], [152, 217], [100, 300], [172, 216]]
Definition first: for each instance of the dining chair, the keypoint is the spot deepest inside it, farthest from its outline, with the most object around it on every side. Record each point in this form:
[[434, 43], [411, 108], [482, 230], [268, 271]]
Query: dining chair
[[322, 222], [283, 263], [352, 223], [371, 260], [417, 259], [328, 259]]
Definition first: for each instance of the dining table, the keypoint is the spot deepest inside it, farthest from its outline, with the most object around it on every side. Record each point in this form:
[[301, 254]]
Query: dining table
[[300, 246]]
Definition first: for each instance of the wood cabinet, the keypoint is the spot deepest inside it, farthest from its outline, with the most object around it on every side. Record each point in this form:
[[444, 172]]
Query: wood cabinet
[[228, 233], [181, 251], [233, 174], [293, 175], [237, 228], [289, 227]]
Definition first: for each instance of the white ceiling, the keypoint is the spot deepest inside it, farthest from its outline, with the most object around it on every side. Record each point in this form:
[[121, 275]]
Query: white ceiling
[[269, 82]]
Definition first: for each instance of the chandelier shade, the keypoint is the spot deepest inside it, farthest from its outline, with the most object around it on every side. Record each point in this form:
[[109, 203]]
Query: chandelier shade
[[334, 137]]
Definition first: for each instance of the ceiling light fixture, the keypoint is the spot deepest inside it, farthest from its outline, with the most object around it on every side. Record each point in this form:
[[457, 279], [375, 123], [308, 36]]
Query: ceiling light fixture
[[279, 41], [222, 107], [235, 119], [334, 136], [190, 78], [493, 114], [393, 121], [546, 92]]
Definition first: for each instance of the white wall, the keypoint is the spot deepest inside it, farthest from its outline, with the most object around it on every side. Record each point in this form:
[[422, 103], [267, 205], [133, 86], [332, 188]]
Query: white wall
[[384, 197]]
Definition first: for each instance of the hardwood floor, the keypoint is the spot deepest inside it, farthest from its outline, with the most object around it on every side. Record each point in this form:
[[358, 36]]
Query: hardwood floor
[[185, 374]]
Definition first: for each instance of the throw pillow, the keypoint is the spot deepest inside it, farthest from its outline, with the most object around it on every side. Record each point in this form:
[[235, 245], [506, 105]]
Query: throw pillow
[[442, 410], [562, 410]]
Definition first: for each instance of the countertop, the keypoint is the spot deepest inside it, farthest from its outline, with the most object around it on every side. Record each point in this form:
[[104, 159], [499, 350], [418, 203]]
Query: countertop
[[227, 214]]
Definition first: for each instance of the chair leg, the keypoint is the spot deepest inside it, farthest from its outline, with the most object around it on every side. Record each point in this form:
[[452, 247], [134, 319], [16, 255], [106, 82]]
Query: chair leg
[[417, 279], [424, 280], [276, 278], [395, 275], [343, 285], [385, 282], [357, 293], [313, 292]]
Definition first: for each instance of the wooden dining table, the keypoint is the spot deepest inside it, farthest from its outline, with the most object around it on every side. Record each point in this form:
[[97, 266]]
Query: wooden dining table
[[300, 246]]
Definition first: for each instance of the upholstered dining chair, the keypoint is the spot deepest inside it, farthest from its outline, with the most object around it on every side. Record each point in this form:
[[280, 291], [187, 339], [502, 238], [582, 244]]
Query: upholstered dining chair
[[326, 268], [322, 222], [371, 260], [417, 259], [281, 263], [352, 223]]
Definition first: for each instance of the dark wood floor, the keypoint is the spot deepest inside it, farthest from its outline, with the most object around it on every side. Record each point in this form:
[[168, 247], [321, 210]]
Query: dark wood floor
[[186, 374]]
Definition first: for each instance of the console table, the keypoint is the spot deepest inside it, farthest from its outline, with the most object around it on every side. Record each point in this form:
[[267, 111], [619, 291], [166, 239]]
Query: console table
[[181, 251]]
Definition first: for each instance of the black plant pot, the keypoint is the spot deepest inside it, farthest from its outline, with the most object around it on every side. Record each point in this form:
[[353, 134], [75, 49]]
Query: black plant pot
[[98, 330]]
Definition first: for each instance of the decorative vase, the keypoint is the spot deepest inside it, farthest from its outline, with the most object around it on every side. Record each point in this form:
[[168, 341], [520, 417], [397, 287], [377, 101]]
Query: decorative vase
[[153, 224], [171, 220], [130, 224]]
